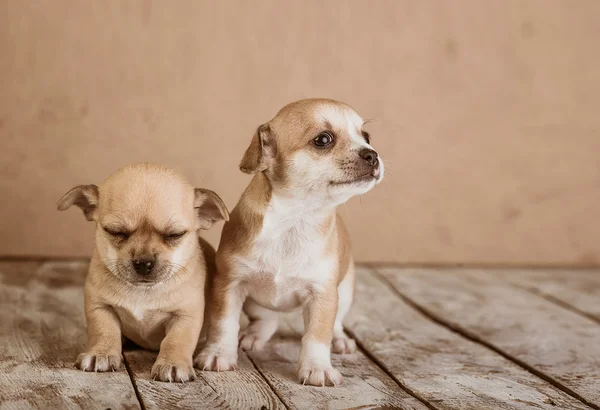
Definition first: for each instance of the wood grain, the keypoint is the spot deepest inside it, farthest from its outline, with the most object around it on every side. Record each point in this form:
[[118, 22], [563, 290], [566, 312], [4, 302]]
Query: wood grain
[[579, 289], [42, 332], [544, 337], [444, 368], [365, 386], [241, 389]]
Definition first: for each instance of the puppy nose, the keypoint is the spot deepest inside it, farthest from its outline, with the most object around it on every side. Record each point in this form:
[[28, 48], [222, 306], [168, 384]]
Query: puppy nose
[[143, 266], [370, 156]]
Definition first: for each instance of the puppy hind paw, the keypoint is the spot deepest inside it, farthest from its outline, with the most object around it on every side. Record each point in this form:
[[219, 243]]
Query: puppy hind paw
[[215, 361], [251, 342], [172, 372], [343, 345], [98, 362]]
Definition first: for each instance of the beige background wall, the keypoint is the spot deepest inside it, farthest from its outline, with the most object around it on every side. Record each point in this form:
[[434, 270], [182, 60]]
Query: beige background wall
[[487, 113]]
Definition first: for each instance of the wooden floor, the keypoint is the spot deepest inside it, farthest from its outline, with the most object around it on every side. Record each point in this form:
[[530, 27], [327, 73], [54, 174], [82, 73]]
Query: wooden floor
[[429, 339]]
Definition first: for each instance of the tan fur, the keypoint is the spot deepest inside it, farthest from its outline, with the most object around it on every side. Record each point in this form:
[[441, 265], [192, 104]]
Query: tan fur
[[285, 247], [161, 309]]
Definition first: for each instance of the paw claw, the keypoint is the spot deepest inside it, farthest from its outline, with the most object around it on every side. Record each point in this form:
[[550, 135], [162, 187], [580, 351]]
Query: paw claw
[[98, 362], [172, 371], [319, 376], [216, 360]]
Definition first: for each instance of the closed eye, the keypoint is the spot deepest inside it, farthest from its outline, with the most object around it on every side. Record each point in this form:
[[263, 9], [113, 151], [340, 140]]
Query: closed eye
[[117, 234], [174, 236]]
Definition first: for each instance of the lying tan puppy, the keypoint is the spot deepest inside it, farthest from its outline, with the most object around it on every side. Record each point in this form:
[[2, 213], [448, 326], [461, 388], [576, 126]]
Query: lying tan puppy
[[148, 272], [285, 247]]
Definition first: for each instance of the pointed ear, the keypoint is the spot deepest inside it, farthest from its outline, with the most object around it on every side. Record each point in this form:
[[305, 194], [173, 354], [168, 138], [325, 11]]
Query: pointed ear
[[260, 154], [209, 208], [85, 197]]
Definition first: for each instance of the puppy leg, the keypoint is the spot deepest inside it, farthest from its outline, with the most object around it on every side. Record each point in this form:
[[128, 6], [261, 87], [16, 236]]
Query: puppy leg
[[342, 344], [174, 361], [315, 367], [263, 324], [220, 351], [104, 341]]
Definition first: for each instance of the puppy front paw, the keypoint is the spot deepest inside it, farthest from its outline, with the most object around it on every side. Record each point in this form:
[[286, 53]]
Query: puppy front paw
[[98, 362], [167, 370], [343, 345], [315, 375], [216, 360]]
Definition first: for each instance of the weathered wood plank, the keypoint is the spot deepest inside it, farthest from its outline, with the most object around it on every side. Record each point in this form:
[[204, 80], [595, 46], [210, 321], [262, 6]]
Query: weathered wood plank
[[242, 389], [42, 332], [579, 289], [42, 304], [540, 335], [365, 386], [444, 368]]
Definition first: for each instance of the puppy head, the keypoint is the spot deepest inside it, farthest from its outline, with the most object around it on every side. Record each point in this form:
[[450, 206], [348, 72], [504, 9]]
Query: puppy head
[[147, 218], [315, 149]]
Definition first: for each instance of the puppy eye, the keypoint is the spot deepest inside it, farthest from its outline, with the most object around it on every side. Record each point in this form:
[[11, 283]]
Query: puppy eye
[[175, 236], [366, 136], [117, 234], [324, 139]]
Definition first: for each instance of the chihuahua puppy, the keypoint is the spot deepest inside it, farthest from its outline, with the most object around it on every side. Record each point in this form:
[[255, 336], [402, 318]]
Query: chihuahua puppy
[[284, 246], [148, 272]]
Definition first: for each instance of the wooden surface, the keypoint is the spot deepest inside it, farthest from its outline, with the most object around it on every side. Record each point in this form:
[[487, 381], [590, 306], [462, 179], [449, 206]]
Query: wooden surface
[[573, 289], [431, 359], [365, 385], [543, 337], [41, 333], [428, 338], [244, 389]]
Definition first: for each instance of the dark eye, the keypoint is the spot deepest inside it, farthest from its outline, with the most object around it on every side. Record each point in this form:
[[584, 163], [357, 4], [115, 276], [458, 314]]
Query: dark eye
[[174, 236], [324, 139], [117, 234], [367, 137]]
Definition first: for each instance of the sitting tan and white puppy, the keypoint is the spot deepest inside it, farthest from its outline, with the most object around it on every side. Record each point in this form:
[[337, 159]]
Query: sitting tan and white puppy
[[285, 246], [148, 272]]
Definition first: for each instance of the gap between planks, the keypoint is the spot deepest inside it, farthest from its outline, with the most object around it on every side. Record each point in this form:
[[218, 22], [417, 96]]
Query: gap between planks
[[580, 297], [476, 339], [447, 370], [384, 368], [365, 384], [558, 302], [275, 392], [133, 383]]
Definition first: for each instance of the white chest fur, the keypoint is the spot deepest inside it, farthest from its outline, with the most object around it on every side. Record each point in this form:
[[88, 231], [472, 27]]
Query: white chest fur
[[141, 311], [142, 324], [289, 259]]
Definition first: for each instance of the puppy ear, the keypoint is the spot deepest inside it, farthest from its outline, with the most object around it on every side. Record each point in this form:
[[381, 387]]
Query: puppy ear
[[209, 208], [84, 196], [260, 154]]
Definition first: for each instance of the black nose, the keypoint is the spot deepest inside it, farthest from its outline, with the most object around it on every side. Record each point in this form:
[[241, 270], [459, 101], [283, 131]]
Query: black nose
[[143, 266], [370, 156]]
